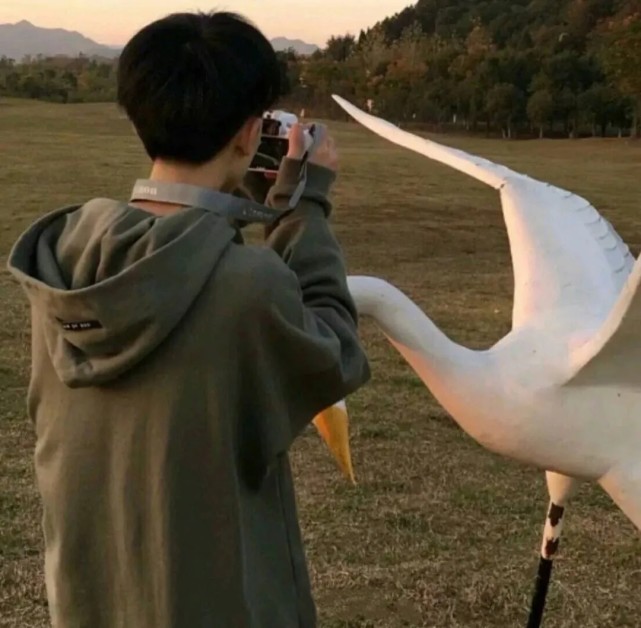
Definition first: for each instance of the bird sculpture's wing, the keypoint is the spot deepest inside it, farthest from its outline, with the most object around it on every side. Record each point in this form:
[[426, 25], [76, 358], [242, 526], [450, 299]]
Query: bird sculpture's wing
[[569, 263], [566, 256], [612, 356]]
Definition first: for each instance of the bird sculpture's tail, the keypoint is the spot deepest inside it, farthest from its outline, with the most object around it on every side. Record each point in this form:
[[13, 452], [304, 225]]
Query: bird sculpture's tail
[[333, 426]]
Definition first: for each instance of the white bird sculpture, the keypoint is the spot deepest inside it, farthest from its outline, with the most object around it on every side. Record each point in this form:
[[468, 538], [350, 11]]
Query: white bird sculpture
[[562, 391]]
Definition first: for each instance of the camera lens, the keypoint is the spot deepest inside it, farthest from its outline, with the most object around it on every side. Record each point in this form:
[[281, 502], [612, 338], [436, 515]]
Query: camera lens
[[271, 126]]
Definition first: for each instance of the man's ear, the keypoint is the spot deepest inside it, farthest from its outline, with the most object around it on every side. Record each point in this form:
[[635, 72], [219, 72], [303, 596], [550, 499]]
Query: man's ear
[[248, 138]]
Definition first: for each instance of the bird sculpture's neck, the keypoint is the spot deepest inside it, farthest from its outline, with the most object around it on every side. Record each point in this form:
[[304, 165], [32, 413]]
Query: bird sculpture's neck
[[445, 367]]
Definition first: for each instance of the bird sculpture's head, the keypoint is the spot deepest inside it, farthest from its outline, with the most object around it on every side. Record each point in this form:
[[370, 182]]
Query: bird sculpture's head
[[333, 426]]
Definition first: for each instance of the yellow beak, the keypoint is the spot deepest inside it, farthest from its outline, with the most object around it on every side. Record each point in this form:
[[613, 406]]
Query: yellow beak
[[333, 426]]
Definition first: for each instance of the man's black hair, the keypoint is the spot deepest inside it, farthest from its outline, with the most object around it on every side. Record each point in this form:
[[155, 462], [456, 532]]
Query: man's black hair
[[189, 81]]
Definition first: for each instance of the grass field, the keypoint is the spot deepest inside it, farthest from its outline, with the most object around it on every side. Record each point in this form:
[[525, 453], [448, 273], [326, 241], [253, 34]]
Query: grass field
[[438, 532]]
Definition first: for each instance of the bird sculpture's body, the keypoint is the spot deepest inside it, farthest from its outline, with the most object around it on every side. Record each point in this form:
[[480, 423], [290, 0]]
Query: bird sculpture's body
[[562, 391], [523, 398]]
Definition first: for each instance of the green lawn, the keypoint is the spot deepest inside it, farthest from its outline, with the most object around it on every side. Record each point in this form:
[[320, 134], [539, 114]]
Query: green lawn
[[438, 532]]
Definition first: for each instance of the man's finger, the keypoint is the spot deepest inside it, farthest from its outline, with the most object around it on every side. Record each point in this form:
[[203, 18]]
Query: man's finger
[[296, 141], [295, 132]]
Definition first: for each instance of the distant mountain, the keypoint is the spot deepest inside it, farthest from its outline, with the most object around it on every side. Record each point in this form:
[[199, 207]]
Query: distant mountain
[[23, 38], [302, 48]]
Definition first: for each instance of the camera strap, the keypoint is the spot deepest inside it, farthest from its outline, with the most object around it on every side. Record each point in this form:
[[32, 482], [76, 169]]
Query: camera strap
[[318, 133], [231, 207]]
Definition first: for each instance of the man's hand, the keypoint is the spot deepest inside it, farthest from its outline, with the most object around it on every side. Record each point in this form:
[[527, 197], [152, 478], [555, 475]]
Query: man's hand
[[325, 154]]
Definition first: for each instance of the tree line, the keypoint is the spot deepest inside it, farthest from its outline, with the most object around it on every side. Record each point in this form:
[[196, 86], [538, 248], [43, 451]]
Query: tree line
[[514, 67], [59, 79], [544, 67]]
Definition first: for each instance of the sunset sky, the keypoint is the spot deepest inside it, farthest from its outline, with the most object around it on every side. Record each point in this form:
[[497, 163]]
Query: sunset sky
[[115, 21]]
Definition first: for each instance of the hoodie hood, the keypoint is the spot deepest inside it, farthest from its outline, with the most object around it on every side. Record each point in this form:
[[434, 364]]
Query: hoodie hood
[[109, 282]]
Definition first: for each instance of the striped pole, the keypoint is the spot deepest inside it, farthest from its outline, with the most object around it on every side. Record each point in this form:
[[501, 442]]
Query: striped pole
[[551, 540]]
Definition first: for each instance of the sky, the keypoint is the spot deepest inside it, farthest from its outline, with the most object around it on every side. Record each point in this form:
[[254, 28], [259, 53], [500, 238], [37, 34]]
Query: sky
[[113, 22]]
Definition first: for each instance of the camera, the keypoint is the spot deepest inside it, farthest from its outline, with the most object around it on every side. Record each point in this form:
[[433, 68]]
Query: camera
[[274, 142], [274, 145]]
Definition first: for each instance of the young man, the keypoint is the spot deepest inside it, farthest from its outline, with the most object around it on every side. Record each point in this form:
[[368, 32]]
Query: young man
[[173, 366]]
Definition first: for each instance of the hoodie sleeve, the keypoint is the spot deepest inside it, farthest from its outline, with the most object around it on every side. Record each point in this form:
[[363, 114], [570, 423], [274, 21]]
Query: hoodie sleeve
[[307, 331]]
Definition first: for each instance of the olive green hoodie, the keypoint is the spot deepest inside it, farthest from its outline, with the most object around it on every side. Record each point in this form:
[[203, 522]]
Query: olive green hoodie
[[173, 366]]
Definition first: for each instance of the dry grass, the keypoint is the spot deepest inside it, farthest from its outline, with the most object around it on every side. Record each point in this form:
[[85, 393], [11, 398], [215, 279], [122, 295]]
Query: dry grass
[[439, 532]]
